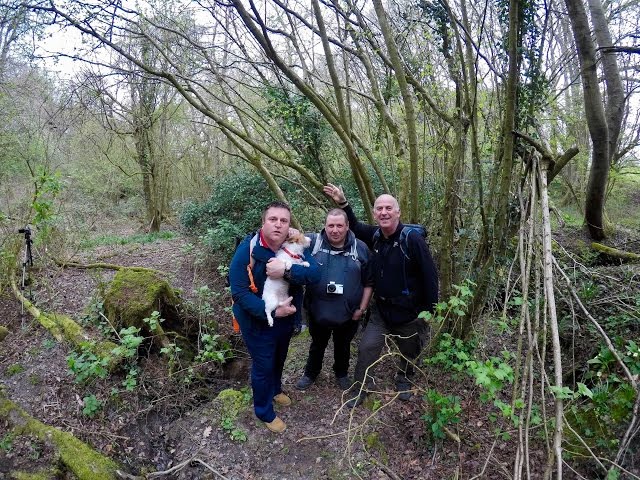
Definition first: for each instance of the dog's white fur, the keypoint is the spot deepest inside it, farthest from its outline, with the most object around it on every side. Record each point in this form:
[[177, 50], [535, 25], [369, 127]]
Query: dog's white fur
[[276, 290]]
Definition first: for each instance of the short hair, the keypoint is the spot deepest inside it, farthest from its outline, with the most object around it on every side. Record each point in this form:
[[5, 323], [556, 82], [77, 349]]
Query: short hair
[[336, 212], [275, 204], [396, 204]]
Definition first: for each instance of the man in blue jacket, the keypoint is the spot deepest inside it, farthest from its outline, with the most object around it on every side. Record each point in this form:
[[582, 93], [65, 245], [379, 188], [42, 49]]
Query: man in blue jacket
[[338, 301], [267, 345], [405, 284]]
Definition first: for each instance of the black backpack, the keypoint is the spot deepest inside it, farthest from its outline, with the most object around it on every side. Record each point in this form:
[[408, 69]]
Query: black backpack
[[403, 243]]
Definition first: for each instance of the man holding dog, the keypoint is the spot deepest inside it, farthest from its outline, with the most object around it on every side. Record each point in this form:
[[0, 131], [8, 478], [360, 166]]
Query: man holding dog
[[339, 300], [405, 284], [252, 263]]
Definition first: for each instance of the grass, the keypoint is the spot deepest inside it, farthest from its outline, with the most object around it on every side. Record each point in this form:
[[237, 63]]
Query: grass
[[105, 240], [621, 207]]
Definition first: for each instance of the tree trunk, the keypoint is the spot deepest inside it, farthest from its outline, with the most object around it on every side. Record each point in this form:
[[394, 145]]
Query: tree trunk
[[409, 110], [599, 130]]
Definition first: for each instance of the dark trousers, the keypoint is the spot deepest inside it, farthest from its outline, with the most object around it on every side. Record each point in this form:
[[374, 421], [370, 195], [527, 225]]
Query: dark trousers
[[320, 335], [410, 338], [268, 347]]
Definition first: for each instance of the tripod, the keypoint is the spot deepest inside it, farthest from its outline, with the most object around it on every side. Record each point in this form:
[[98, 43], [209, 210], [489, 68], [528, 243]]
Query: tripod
[[27, 260]]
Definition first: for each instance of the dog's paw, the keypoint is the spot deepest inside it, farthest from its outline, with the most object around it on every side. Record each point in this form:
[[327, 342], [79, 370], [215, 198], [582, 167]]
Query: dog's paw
[[305, 264]]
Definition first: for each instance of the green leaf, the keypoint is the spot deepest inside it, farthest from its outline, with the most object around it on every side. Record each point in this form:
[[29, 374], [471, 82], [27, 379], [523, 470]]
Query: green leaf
[[584, 390]]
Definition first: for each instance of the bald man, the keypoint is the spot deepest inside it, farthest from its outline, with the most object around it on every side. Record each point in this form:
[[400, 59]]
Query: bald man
[[405, 284]]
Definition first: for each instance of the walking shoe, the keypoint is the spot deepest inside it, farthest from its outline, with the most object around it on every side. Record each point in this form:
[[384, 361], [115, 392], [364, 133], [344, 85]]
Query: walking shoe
[[404, 388], [276, 425], [282, 399], [343, 382], [357, 400], [305, 382]]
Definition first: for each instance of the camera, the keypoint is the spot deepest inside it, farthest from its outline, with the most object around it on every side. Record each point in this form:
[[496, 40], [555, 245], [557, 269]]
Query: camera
[[26, 231], [335, 288]]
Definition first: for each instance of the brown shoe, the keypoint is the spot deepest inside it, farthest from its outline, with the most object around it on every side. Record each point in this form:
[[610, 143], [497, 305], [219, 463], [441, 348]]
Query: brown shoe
[[276, 425], [282, 399]]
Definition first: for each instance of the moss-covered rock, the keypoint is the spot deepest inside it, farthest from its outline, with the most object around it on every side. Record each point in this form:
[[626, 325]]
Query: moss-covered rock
[[231, 403], [4, 331], [76, 456], [134, 294]]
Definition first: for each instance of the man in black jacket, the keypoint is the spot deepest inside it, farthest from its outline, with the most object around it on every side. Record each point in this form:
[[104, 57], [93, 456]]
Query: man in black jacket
[[338, 301], [405, 284]]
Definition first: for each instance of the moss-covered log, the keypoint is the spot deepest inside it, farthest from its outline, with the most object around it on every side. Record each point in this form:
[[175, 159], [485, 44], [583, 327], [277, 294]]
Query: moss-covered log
[[76, 456], [615, 253], [106, 266], [62, 327]]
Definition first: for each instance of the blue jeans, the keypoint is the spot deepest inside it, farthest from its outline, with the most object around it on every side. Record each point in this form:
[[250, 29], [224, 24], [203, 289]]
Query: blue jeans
[[268, 348]]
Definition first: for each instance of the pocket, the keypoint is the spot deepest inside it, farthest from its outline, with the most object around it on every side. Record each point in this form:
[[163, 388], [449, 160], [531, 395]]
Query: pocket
[[330, 311]]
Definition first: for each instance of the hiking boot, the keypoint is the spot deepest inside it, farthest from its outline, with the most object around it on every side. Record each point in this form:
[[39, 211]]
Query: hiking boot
[[276, 425], [282, 399], [343, 382], [403, 387], [357, 400], [305, 382], [355, 395]]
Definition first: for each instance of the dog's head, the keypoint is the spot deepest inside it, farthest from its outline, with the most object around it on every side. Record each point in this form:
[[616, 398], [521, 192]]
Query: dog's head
[[297, 243]]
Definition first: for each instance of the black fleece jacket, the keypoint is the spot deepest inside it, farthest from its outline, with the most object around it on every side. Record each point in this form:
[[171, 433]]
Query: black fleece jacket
[[402, 287]]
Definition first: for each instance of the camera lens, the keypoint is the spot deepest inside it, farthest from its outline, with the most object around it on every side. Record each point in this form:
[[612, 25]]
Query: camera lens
[[331, 288]]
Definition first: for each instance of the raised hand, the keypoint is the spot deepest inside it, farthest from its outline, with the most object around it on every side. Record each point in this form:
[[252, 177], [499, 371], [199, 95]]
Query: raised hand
[[335, 193]]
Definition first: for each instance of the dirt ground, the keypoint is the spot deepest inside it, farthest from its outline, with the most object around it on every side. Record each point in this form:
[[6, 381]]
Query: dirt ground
[[165, 424]]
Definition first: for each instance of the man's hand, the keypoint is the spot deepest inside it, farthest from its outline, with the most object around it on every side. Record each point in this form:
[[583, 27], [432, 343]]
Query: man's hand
[[335, 193], [275, 268], [357, 315], [286, 308]]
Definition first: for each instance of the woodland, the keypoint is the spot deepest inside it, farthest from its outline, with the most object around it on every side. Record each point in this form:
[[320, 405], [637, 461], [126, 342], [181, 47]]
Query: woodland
[[139, 140]]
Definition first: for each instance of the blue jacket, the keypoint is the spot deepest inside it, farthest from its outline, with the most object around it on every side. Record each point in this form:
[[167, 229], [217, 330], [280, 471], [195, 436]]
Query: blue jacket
[[249, 306], [338, 266]]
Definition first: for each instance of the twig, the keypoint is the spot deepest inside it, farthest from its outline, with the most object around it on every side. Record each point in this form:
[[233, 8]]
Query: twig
[[390, 473], [486, 461]]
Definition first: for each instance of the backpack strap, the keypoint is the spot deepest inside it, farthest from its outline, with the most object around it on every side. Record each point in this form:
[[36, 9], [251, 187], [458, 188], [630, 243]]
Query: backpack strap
[[316, 244], [252, 283]]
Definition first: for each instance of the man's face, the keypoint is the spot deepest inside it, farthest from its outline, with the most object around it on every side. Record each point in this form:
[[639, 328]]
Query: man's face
[[386, 212], [275, 227], [336, 229]]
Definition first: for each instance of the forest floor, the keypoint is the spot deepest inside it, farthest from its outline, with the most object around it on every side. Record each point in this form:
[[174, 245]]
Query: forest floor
[[164, 422]]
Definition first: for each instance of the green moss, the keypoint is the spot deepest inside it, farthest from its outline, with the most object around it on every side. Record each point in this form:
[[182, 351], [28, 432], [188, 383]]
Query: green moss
[[48, 474], [134, 294], [232, 402], [373, 442], [78, 457], [15, 369], [4, 331], [63, 327]]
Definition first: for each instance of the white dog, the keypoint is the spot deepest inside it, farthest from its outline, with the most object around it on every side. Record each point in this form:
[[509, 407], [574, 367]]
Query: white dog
[[276, 290]]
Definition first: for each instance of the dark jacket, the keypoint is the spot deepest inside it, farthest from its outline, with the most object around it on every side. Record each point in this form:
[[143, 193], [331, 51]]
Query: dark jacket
[[402, 287], [249, 306], [338, 266]]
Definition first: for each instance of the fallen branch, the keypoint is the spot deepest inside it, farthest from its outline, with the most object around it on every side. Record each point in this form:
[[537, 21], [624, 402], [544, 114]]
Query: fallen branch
[[106, 266], [78, 457], [614, 252]]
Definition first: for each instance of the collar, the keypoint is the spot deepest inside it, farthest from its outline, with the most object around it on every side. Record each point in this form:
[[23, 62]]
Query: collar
[[394, 236], [291, 254]]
